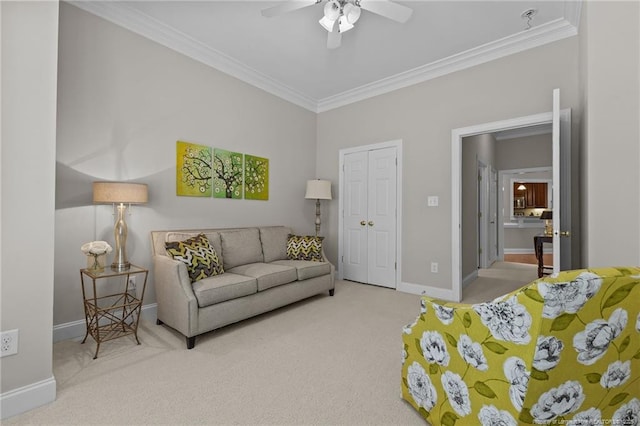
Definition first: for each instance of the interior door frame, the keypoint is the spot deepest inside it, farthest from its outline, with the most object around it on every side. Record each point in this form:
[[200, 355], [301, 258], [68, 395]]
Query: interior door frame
[[341, 154], [456, 180], [483, 224]]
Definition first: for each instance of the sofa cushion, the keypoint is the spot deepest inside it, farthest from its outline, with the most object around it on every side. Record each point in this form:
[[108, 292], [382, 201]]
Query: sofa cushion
[[197, 253], [240, 247], [307, 269], [212, 236], [304, 247], [274, 242], [268, 274], [221, 288]]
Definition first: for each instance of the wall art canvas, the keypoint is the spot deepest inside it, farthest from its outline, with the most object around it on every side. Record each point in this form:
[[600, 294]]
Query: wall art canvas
[[193, 170], [227, 174], [256, 178]]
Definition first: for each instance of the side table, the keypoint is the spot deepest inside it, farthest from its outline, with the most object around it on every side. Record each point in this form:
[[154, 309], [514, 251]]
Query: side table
[[538, 242], [112, 315]]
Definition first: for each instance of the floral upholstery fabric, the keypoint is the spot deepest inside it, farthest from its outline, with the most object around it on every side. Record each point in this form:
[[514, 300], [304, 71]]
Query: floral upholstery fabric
[[563, 350]]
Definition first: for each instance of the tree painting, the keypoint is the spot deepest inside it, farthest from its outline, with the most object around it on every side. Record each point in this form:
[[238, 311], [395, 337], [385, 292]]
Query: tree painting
[[193, 169], [256, 178], [227, 174]]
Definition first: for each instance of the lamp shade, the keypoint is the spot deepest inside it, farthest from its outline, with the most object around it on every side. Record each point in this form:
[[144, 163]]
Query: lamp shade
[[119, 192], [318, 189], [546, 215]]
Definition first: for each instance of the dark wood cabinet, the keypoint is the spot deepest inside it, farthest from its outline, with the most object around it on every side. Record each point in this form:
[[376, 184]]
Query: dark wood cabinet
[[535, 194]]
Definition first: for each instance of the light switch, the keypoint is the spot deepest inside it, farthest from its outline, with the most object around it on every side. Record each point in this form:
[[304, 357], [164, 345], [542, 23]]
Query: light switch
[[432, 201]]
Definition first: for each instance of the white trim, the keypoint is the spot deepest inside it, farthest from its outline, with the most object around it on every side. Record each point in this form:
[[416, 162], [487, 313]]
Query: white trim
[[77, 329], [132, 19], [397, 144], [456, 184], [545, 249], [519, 251], [27, 398], [470, 278], [537, 36], [425, 290]]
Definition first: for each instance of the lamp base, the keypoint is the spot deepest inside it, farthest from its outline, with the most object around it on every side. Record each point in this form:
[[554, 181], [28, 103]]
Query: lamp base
[[119, 267]]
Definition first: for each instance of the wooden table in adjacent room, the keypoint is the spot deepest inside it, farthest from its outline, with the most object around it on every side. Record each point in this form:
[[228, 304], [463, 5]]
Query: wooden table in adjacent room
[[538, 243]]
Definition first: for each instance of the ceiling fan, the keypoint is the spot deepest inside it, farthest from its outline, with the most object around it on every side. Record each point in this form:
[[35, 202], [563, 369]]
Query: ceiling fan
[[340, 15]]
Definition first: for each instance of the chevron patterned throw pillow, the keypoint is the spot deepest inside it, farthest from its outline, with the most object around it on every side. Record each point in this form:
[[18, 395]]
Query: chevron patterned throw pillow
[[304, 248], [197, 253]]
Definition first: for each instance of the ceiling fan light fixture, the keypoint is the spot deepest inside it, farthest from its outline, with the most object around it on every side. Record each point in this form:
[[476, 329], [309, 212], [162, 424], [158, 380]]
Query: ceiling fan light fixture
[[344, 25], [351, 12], [332, 10], [327, 23], [331, 15]]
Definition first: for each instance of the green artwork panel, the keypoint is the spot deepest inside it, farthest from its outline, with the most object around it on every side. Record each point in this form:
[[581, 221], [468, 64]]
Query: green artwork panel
[[256, 178], [193, 170], [227, 174]]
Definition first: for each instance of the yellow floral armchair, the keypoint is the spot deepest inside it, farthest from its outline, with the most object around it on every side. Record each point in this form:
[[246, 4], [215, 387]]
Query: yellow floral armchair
[[563, 350]]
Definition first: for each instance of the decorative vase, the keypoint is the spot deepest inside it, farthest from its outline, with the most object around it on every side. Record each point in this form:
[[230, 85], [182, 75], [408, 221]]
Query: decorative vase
[[95, 262]]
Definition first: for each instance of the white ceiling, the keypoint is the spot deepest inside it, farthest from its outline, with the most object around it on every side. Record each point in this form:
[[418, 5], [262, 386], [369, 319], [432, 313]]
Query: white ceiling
[[287, 55]]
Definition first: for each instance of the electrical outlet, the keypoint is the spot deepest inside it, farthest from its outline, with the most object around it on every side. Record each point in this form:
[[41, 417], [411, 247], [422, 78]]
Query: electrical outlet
[[434, 267], [8, 343], [132, 283]]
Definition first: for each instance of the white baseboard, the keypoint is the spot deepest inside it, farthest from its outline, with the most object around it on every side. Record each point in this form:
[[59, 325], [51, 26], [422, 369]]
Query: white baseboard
[[469, 278], [424, 290], [27, 398], [77, 329], [518, 251], [545, 249]]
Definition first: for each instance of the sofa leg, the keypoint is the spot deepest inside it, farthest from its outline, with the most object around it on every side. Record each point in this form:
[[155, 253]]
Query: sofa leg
[[331, 292], [191, 342], [158, 322]]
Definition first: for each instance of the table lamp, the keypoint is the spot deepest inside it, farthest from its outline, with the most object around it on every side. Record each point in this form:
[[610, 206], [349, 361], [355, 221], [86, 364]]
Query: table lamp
[[120, 194], [547, 216]]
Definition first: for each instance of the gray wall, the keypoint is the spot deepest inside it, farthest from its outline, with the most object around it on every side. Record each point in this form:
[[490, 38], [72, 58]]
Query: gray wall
[[29, 32], [610, 86], [522, 153], [123, 103], [474, 149], [423, 116]]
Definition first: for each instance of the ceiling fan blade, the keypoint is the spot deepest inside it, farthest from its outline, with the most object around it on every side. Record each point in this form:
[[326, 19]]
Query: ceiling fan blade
[[334, 39], [388, 9], [287, 6]]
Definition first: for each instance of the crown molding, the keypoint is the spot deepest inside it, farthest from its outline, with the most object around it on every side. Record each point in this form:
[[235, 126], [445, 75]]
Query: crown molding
[[536, 36], [132, 19]]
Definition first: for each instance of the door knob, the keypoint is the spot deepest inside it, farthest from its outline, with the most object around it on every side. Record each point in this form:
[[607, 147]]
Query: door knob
[[565, 233], [363, 223], [370, 223]]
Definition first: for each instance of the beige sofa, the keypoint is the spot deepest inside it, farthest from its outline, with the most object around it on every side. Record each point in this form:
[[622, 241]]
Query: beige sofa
[[257, 278]]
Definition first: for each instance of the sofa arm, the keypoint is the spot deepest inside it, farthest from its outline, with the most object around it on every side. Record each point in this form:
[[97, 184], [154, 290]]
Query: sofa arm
[[460, 358], [177, 304]]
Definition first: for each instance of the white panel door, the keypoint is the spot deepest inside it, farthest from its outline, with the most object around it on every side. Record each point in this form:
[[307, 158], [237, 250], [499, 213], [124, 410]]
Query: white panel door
[[369, 233], [557, 211], [493, 216], [355, 253], [381, 221], [561, 141]]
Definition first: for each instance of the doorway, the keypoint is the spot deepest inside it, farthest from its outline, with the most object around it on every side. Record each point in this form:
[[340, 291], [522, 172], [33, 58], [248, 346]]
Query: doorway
[[563, 183], [370, 212]]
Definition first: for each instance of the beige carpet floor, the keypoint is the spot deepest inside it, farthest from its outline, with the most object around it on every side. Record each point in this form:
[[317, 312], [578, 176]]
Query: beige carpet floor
[[322, 361], [501, 278]]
